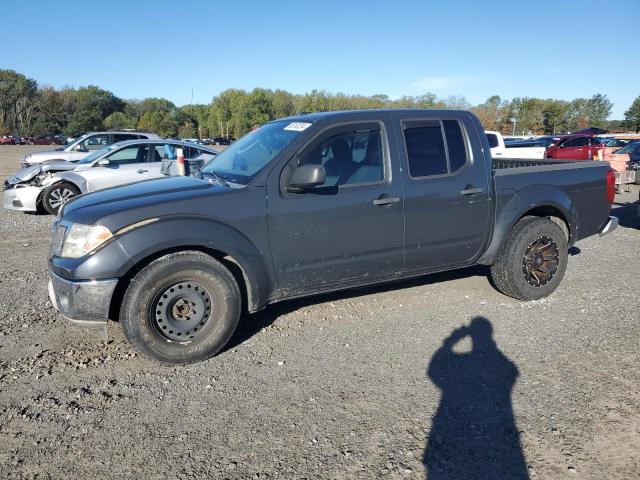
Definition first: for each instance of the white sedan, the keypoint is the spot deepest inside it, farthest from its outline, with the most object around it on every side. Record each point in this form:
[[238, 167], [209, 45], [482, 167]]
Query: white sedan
[[50, 185]]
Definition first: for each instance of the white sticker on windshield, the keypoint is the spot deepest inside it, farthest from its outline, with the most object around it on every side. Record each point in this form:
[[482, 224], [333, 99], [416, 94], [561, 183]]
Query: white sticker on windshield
[[297, 126]]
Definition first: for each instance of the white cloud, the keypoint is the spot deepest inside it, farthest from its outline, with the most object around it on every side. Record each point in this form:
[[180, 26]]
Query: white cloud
[[444, 83]]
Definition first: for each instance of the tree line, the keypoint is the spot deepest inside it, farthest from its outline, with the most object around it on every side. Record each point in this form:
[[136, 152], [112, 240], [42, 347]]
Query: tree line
[[27, 109]]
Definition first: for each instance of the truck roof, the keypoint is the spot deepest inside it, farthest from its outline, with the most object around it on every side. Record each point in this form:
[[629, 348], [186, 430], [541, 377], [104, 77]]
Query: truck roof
[[312, 117]]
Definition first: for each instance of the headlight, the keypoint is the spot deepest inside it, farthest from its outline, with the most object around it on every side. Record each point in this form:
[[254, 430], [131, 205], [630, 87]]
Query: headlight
[[83, 239]]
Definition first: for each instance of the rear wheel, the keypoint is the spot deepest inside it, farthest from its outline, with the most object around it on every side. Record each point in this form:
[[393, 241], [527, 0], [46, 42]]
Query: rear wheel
[[181, 308], [57, 195], [532, 261]]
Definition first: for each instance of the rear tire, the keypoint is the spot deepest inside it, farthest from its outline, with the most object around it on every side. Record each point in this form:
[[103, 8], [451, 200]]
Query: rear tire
[[181, 308], [57, 195], [532, 261]]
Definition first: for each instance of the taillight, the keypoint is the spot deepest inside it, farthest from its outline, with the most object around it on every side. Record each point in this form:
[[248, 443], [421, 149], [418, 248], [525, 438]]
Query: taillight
[[611, 186]]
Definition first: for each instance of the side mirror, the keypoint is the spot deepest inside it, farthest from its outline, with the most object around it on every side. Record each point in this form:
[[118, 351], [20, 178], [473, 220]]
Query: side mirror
[[305, 177], [103, 163]]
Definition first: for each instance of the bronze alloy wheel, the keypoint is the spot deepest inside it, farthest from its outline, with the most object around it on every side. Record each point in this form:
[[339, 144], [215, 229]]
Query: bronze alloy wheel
[[540, 261]]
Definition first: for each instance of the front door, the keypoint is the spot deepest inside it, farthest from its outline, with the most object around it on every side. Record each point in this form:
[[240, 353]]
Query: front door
[[447, 192], [348, 229], [574, 149], [126, 165]]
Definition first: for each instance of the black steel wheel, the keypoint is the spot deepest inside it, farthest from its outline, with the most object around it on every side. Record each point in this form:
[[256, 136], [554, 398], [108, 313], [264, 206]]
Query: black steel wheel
[[181, 311], [181, 308]]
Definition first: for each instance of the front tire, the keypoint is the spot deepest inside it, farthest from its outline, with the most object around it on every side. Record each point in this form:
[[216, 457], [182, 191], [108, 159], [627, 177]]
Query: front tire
[[532, 261], [57, 195], [181, 308]]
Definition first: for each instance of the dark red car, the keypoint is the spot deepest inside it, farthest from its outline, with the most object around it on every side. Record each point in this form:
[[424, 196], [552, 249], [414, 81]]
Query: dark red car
[[45, 141], [575, 147], [9, 140]]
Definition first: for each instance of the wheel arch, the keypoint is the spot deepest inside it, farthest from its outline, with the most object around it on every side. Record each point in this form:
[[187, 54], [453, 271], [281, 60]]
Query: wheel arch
[[556, 206], [250, 299]]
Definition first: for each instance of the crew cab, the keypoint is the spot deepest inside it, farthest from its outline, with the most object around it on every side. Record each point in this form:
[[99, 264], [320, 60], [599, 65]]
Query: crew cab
[[317, 203], [576, 147]]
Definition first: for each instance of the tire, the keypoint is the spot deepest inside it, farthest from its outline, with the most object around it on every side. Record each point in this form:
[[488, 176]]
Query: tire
[[532, 261], [158, 313], [57, 194]]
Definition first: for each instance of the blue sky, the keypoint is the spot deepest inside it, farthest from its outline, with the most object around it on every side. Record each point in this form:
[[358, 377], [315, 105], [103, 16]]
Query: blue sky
[[137, 49]]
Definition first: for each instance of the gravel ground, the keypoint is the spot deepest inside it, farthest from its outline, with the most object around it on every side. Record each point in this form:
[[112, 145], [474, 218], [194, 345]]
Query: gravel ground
[[363, 384]]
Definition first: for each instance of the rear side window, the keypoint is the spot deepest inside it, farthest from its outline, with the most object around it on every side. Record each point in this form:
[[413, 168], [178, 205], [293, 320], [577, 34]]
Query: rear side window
[[493, 140], [434, 147], [121, 137]]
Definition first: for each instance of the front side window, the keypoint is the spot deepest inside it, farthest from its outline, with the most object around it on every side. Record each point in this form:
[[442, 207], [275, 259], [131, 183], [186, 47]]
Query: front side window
[[576, 142], [95, 142], [350, 158], [128, 155]]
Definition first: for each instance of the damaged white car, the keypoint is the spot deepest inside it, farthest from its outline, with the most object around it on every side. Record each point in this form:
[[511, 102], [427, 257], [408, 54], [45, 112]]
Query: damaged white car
[[49, 185]]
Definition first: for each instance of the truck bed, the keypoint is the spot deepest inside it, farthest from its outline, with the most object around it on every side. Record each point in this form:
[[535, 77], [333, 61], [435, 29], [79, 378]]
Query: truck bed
[[500, 163]]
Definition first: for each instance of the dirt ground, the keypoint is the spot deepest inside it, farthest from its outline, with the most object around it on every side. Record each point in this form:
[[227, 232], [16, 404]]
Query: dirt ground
[[373, 383]]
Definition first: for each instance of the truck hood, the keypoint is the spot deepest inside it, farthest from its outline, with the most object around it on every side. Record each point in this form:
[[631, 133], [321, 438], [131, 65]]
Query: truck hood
[[138, 199]]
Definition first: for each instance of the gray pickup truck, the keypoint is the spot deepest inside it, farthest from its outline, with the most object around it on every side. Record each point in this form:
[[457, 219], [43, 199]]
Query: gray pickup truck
[[311, 204]]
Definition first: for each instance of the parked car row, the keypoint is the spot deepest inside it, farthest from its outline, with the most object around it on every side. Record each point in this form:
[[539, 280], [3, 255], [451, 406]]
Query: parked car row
[[586, 145], [46, 140], [49, 184]]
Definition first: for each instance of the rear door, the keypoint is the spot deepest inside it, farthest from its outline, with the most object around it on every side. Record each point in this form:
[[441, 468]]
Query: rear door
[[447, 191], [126, 165], [348, 230]]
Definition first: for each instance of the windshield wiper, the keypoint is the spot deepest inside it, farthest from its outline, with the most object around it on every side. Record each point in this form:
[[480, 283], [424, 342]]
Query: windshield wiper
[[216, 176]]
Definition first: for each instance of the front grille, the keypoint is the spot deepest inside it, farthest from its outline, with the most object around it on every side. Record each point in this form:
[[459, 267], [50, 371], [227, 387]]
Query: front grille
[[58, 232]]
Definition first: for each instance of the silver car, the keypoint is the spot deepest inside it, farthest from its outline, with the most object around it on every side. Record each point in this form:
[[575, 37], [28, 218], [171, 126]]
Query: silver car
[[83, 146], [51, 184]]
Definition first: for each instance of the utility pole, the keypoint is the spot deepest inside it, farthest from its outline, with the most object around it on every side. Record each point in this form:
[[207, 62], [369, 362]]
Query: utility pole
[[191, 96]]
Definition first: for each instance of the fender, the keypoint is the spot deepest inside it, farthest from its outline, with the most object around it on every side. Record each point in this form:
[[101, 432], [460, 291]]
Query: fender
[[78, 180], [512, 205], [130, 247]]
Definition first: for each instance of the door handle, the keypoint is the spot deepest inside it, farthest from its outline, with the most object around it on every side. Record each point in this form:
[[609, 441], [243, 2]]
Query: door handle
[[469, 190], [142, 170], [384, 200]]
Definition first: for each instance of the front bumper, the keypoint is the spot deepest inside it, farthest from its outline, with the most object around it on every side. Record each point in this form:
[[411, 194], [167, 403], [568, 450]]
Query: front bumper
[[85, 302], [610, 226], [21, 197]]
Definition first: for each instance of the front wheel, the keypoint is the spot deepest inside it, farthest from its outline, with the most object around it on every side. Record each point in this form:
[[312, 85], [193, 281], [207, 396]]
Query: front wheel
[[57, 195], [532, 261], [181, 308]]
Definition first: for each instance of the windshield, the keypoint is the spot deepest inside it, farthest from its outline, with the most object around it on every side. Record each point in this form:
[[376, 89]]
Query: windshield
[[241, 161], [93, 155], [631, 148]]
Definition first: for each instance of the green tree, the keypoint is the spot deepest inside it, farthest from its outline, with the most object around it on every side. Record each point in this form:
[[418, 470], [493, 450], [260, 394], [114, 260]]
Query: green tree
[[632, 116], [118, 121], [91, 106], [17, 101], [599, 109], [163, 123]]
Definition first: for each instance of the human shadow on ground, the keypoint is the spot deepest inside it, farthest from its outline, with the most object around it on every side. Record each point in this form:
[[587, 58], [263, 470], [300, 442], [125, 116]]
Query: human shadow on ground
[[473, 432]]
